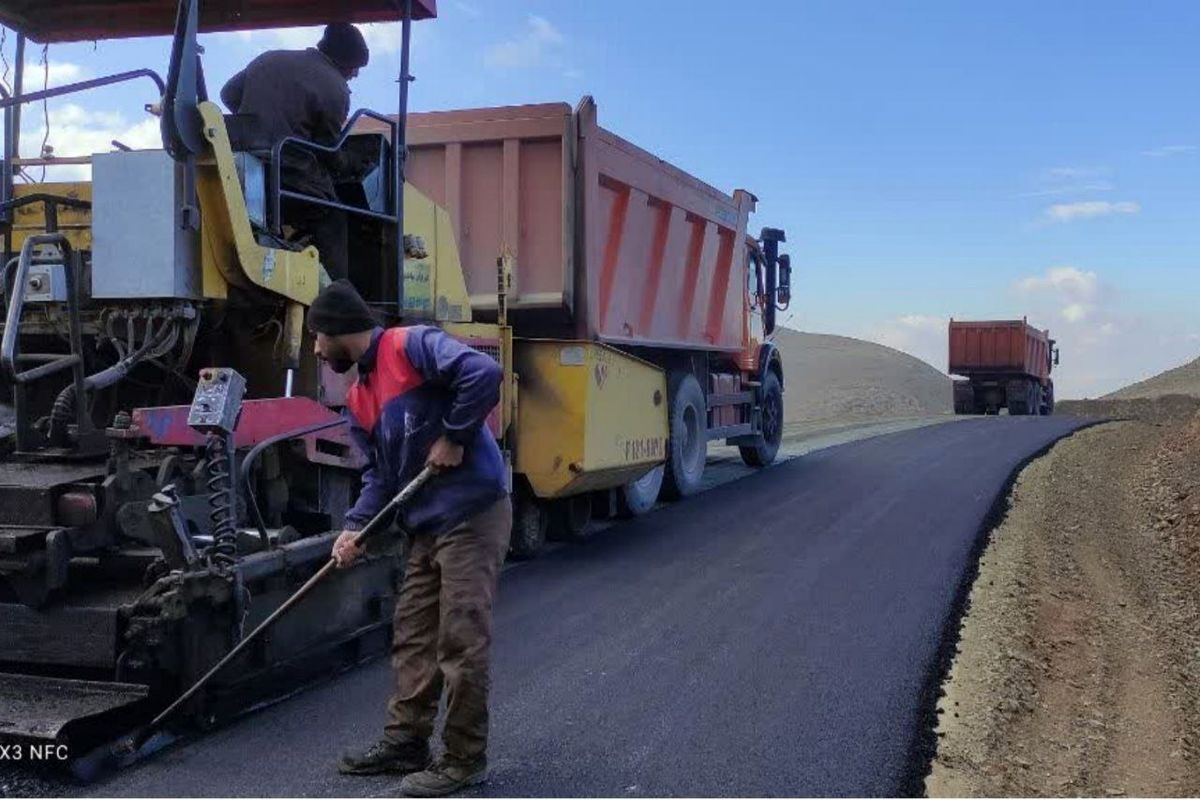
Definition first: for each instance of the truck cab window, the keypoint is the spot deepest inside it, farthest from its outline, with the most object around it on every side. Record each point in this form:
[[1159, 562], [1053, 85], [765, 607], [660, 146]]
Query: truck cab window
[[754, 287]]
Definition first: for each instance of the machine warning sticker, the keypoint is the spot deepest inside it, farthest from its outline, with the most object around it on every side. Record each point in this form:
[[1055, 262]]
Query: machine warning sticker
[[268, 266], [418, 291]]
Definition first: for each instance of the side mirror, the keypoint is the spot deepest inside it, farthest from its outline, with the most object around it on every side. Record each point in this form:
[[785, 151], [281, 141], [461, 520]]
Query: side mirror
[[783, 292], [1056, 356]]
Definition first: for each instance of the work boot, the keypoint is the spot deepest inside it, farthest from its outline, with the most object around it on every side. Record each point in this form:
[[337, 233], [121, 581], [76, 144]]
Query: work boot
[[445, 777], [411, 755]]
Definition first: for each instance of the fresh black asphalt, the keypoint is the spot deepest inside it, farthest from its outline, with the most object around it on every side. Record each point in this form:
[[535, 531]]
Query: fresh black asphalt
[[778, 635]]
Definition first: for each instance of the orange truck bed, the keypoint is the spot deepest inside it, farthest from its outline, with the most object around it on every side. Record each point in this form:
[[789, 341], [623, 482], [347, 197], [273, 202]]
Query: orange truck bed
[[999, 347], [610, 242]]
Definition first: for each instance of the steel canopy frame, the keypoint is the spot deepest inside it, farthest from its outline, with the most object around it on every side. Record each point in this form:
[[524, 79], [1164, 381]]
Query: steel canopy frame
[[51, 21]]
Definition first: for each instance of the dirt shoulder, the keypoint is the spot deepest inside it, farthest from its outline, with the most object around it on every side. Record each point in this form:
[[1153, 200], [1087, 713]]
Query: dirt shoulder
[[1078, 668]]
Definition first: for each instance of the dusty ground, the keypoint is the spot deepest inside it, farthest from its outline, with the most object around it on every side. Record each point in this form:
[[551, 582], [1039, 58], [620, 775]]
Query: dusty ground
[[1078, 669], [836, 377]]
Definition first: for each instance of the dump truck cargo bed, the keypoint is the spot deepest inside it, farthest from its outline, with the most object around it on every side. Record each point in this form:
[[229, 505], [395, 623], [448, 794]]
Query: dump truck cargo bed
[[999, 346], [609, 241]]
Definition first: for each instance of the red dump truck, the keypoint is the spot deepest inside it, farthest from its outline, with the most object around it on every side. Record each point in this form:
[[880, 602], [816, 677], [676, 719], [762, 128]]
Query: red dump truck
[[1002, 364], [640, 307]]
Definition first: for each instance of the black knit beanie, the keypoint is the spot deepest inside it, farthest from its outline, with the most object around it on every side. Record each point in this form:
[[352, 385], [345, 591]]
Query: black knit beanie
[[345, 45], [339, 309]]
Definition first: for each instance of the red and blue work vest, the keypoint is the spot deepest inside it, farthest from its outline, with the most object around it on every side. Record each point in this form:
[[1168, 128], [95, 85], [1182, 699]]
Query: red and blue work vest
[[415, 385]]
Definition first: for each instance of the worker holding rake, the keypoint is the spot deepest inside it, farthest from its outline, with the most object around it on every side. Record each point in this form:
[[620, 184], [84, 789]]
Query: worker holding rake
[[421, 399]]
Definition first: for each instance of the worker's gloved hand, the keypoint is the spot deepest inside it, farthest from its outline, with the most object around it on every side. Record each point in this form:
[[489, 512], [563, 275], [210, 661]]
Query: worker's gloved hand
[[345, 552], [444, 455]]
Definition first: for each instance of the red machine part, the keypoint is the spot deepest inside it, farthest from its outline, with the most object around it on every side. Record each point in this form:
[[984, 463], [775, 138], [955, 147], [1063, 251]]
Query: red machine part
[[260, 420]]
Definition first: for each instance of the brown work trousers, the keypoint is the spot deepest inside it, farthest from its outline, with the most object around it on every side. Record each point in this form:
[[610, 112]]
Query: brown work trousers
[[443, 633]]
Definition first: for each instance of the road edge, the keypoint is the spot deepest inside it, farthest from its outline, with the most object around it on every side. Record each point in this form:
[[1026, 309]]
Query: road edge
[[922, 748]]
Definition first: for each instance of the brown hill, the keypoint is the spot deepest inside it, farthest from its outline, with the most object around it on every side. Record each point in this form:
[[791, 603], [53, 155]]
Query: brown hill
[[827, 377], [1181, 380]]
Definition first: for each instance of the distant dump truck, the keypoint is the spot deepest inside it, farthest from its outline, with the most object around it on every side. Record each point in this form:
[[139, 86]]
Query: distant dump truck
[[1002, 364]]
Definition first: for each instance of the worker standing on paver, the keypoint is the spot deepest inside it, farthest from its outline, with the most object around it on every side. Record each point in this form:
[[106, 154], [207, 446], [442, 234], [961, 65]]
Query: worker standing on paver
[[422, 398], [305, 94]]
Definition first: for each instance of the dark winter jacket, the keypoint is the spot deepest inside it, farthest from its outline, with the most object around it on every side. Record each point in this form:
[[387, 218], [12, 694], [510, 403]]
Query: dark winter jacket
[[414, 385], [298, 93]]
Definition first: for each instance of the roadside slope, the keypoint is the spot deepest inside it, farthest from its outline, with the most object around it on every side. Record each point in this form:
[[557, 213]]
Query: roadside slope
[[1078, 666], [1181, 380]]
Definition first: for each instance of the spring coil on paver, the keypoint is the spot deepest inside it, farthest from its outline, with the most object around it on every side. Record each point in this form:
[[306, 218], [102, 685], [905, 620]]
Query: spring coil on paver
[[223, 550]]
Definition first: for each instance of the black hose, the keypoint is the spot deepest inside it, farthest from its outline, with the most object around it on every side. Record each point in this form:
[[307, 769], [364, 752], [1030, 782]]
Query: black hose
[[252, 457], [63, 411]]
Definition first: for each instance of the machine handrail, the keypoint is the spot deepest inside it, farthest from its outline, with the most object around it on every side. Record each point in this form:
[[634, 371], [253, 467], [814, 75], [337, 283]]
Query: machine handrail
[[83, 86], [16, 305], [277, 168], [42, 197]]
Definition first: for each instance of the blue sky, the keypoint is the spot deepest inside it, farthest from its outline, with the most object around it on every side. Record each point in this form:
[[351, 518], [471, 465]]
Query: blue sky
[[928, 160]]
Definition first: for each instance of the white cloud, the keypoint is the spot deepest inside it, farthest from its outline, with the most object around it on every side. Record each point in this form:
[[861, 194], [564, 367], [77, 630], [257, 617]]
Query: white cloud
[[1067, 212], [1074, 173], [294, 38], [1170, 150], [1071, 188], [1104, 346], [1057, 181], [1075, 312], [530, 49], [75, 131], [921, 322], [1072, 282], [381, 37], [919, 335], [60, 73], [468, 9], [385, 37], [1078, 299]]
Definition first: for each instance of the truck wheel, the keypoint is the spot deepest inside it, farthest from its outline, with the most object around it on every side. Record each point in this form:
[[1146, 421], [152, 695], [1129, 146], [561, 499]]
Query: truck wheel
[[687, 449], [764, 452], [571, 519], [529, 529], [964, 398], [637, 497], [1017, 398]]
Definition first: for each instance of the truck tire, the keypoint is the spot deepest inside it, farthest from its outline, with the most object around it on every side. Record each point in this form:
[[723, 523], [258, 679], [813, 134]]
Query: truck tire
[[637, 497], [1017, 398], [687, 446], [529, 528], [963, 394], [571, 519], [762, 453]]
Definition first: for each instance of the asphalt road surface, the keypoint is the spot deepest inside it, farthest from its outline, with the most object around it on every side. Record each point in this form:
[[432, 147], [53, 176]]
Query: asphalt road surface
[[778, 635]]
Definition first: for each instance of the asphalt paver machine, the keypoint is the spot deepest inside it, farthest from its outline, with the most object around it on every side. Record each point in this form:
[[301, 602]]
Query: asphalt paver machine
[[173, 463]]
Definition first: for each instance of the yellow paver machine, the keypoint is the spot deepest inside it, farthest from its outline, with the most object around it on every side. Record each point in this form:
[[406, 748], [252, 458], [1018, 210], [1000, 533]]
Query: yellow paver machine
[[140, 537]]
